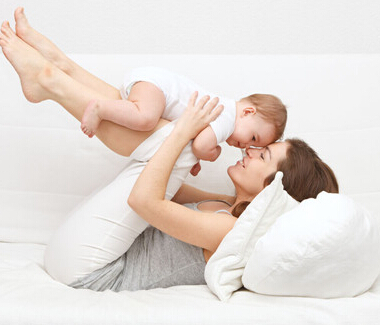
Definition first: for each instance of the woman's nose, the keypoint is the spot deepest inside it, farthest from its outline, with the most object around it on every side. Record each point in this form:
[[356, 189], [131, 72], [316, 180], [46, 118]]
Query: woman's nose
[[251, 152]]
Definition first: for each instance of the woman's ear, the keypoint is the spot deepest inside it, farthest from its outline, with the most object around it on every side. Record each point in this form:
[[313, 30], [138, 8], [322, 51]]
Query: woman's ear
[[249, 110]]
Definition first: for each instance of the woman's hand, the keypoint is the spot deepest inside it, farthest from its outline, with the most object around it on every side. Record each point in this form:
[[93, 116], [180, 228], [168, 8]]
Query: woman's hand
[[197, 116]]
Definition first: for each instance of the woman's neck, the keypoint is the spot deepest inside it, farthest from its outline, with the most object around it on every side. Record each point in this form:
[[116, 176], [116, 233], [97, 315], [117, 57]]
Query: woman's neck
[[240, 199]]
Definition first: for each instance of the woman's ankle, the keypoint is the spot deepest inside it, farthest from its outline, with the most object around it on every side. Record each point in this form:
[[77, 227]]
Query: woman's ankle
[[48, 79]]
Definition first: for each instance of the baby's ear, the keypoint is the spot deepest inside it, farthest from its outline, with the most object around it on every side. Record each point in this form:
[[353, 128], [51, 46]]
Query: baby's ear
[[249, 110]]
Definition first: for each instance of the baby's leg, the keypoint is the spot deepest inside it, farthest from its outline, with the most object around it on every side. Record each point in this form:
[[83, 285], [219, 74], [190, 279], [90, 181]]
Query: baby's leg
[[141, 112], [41, 80], [54, 55]]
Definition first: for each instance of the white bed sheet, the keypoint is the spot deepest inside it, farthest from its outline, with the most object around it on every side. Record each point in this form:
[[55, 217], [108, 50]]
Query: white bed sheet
[[29, 296]]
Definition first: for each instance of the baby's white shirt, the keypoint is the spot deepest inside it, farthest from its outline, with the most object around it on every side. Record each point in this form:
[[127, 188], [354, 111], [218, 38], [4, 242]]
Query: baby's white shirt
[[177, 90]]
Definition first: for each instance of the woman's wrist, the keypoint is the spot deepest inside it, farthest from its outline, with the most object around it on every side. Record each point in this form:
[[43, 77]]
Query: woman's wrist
[[181, 135]]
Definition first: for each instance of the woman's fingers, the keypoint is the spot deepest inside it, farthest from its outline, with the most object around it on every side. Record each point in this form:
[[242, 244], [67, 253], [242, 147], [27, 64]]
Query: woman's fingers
[[198, 115], [202, 102], [211, 110], [205, 110], [216, 112], [193, 98], [211, 104]]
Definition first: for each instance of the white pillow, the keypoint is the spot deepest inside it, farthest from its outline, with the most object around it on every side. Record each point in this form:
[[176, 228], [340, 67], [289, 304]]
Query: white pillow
[[326, 247], [225, 268]]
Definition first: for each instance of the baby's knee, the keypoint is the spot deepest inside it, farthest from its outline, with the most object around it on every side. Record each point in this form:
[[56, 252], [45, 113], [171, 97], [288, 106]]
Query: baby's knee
[[147, 121]]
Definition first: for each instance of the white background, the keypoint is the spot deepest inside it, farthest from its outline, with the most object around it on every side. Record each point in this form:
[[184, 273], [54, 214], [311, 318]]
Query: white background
[[206, 26], [321, 58]]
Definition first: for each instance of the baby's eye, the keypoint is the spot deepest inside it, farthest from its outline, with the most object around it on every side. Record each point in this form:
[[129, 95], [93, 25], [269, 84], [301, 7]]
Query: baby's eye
[[262, 156]]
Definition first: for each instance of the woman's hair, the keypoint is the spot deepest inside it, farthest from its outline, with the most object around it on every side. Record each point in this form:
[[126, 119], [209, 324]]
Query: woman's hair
[[271, 109], [305, 174]]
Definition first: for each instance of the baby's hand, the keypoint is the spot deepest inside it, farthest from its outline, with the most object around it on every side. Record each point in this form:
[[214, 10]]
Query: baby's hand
[[198, 116], [195, 169]]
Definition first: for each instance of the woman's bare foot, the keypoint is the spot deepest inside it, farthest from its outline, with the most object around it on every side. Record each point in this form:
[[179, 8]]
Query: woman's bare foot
[[33, 69], [91, 119], [39, 42]]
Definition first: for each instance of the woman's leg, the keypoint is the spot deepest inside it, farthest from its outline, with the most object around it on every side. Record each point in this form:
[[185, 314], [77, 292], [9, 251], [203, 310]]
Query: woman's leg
[[140, 112], [104, 227], [54, 55], [41, 80]]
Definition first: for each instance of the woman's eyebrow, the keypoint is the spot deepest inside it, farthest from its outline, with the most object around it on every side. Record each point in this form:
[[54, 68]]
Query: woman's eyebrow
[[269, 152]]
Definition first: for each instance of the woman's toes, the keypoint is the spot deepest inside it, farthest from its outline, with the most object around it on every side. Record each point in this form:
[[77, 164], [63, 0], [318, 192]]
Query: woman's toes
[[22, 25], [5, 26], [6, 29], [19, 13]]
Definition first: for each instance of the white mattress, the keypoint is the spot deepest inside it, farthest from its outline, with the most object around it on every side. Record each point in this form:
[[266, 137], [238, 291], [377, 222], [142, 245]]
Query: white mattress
[[29, 296]]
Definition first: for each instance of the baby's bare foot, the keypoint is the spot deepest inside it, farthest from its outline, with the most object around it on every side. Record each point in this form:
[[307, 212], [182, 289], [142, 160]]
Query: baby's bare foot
[[31, 67], [91, 119], [38, 41]]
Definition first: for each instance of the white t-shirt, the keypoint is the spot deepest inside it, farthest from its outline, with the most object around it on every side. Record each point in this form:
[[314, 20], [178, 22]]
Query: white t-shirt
[[177, 90]]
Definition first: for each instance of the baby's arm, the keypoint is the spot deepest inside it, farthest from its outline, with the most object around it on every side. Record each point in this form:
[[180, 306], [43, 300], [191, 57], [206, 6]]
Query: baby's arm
[[205, 146]]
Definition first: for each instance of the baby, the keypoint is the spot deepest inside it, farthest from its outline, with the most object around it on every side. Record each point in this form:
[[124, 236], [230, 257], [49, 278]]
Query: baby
[[256, 120]]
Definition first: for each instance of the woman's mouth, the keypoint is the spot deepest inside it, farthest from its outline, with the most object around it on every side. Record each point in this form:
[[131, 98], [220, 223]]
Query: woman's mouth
[[241, 162]]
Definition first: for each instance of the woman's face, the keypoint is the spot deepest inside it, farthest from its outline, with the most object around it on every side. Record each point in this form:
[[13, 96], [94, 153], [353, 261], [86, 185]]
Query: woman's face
[[249, 174]]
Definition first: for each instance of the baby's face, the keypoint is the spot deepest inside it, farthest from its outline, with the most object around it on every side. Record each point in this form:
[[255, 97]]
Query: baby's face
[[251, 130]]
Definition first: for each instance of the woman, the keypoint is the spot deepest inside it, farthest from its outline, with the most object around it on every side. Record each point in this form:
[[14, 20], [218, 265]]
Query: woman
[[183, 238], [73, 88]]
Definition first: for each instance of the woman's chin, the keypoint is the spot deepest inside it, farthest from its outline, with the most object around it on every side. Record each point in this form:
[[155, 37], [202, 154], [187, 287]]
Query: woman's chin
[[231, 171]]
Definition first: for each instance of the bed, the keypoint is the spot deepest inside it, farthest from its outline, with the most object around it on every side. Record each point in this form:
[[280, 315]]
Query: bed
[[48, 167]]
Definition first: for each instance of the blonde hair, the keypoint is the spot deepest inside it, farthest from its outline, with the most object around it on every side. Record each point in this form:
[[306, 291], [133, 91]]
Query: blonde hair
[[271, 109]]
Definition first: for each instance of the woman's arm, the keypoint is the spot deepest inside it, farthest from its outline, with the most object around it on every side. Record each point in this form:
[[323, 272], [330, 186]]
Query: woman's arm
[[147, 198]]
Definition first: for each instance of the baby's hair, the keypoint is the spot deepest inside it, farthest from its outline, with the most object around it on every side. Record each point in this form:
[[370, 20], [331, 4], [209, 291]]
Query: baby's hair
[[270, 109]]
